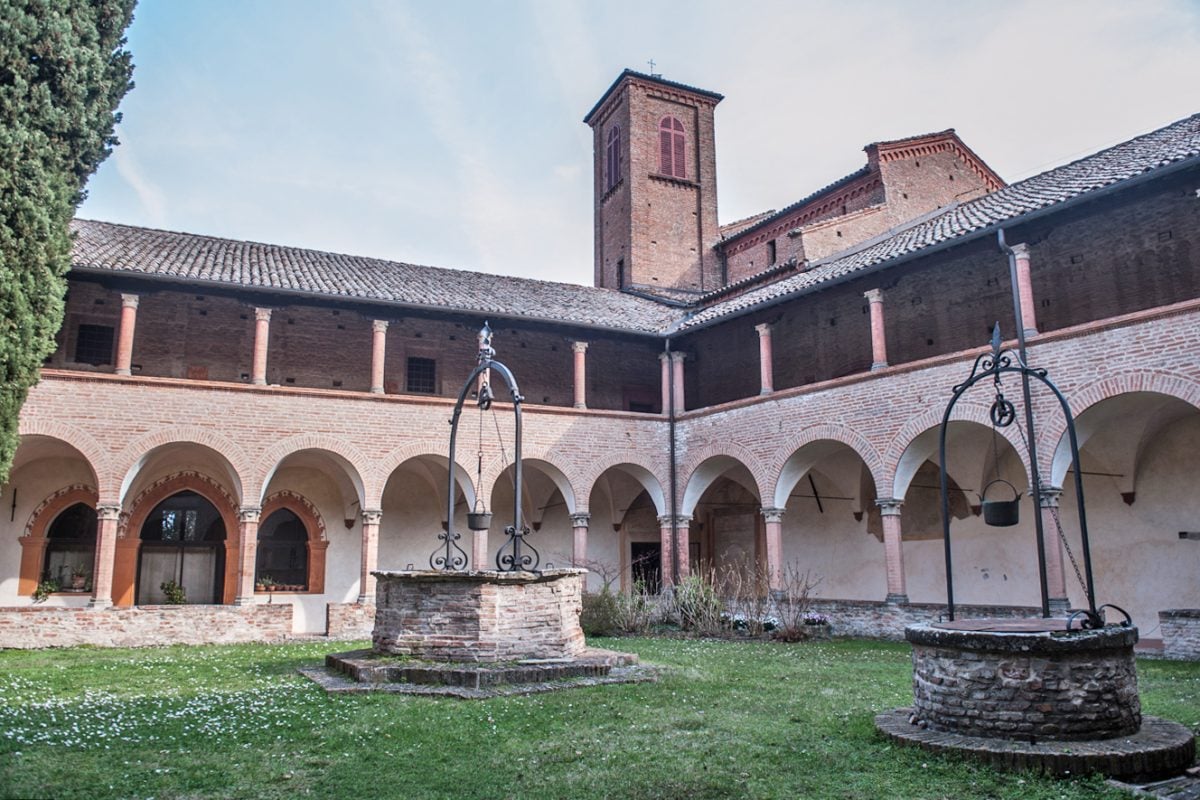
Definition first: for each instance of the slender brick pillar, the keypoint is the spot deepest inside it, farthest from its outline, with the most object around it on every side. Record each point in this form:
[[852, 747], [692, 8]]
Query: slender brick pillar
[[666, 383], [1056, 574], [262, 332], [766, 369], [378, 347], [370, 555], [129, 305], [879, 358], [579, 526], [107, 516], [677, 378], [893, 549], [247, 553], [1025, 290], [580, 350], [773, 520], [666, 535], [683, 534]]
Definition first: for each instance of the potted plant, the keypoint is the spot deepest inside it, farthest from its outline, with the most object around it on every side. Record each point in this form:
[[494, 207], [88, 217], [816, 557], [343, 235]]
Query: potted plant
[[176, 596], [79, 577], [45, 589], [265, 583]]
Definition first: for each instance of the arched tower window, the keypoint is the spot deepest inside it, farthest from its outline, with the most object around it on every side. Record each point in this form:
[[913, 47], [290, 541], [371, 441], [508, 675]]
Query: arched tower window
[[612, 159], [670, 141], [71, 548], [183, 540], [282, 559]]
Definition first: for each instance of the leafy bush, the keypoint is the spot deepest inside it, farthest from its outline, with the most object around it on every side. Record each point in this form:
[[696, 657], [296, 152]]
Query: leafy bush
[[176, 596], [601, 615]]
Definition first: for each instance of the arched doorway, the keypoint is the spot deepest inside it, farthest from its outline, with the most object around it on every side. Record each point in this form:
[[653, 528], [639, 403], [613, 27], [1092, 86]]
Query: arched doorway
[[282, 559], [71, 549], [182, 540]]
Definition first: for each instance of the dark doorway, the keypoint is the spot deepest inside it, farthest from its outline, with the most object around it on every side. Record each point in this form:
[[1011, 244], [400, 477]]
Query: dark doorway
[[646, 565], [183, 540]]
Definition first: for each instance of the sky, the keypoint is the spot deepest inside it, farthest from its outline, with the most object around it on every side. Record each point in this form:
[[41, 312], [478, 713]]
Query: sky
[[450, 133]]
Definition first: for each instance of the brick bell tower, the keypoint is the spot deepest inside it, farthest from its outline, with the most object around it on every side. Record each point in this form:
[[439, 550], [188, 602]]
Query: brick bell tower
[[655, 179]]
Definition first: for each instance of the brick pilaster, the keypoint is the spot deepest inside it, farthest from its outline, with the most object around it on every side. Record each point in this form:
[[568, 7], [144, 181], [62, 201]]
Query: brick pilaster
[[773, 521], [893, 548], [378, 347], [107, 520], [1056, 574], [370, 555], [879, 357], [262, 333], [677, 360], [1025, 290], [580, 351], [129, 305], [247, 553], [579, 527], [766, 369]]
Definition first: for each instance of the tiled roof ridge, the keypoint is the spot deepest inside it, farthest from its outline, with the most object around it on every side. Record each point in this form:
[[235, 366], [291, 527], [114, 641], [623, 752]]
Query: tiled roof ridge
[[295, 249], [914, 138], [746, 221]]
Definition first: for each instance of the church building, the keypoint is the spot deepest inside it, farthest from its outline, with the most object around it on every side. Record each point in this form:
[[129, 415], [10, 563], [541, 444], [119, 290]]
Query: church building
[[255, 429]]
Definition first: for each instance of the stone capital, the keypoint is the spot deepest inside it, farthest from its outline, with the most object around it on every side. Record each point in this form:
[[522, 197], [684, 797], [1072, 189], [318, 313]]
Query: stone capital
[[763, 328], [874, 295], [262, 314], [1050, 495], [678, 356], [129, 300], [680, 520], [371, 516], [889, 506], [772, 514], [1021, 250], [662, 357], [579, 347], [580, 519], [108, 511], [379, 325], [249, 513]]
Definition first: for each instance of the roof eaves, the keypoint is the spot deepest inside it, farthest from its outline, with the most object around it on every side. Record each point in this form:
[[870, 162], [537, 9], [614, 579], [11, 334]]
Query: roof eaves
[[630, 73]]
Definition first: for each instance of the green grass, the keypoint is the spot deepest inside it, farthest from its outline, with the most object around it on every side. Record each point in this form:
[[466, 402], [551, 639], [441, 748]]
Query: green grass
[[729, 719]]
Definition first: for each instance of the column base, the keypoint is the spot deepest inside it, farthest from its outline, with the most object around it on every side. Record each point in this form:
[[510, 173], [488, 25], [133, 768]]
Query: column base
[[123, 372], [1059, 605], [766, 390], [580, 405], [878, 365], [898, 599], [259, 382], [1030, 332], [363, 600], [244, 601], [376, 390], [99, 603]]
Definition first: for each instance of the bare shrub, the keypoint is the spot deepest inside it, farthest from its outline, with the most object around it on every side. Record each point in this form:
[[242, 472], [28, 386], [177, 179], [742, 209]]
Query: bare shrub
[[793, 604]]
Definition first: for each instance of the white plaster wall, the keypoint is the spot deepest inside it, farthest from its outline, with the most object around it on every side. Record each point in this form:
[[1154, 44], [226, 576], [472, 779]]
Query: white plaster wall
[[1140, 562], [835, 548]]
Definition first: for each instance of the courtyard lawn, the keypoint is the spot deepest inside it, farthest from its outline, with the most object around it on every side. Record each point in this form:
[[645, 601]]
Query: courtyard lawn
[[729, 719]]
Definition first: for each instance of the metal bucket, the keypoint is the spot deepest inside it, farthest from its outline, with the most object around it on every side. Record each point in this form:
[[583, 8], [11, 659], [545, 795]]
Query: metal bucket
[[479, 520], [1001, 513]]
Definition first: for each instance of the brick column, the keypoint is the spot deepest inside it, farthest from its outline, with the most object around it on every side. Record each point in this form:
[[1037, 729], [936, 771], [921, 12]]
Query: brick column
[[247, 553], [666, 383], [129, 305], [879, 358], [666, 535], [1025, 290], [262, 332], [677, 378], [580, 350], [579, 526], [773, 519], [107, 516], [683, 534], [378, 347], [765, 366], [1056, 574], [370, 555], [893, 549]]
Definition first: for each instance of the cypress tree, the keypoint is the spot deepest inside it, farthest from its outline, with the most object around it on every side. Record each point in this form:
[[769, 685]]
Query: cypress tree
[[63, 71]]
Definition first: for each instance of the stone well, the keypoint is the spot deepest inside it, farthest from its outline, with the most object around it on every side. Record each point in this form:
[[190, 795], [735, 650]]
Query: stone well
[[1030, 694], [1026, 685], [484, 616]]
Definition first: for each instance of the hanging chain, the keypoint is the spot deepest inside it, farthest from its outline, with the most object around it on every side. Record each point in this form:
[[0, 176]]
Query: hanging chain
[[1062, 537]]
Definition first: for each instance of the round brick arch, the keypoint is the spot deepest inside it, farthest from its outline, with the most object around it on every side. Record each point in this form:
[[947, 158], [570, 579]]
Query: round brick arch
[[931, 419], [396, 459], [348, 458], [829, 432], [128, 464], [554, 470], [691, 492], [1053, 436], [644, 473], [89, 449]]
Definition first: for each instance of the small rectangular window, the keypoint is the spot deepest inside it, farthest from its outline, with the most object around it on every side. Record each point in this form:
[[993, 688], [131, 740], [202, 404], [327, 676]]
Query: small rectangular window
[[94, 344], [422, 375], [770, 252]]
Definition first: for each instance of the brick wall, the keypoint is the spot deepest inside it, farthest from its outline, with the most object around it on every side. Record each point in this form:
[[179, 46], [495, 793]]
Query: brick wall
[[349, 620], [145, 626], [1180, 633]]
